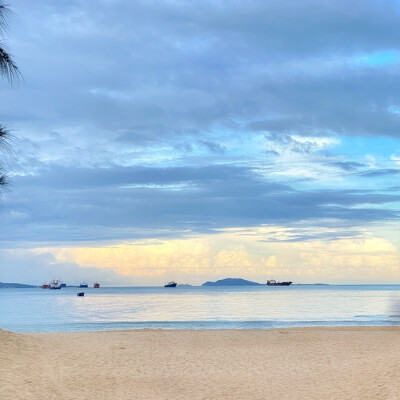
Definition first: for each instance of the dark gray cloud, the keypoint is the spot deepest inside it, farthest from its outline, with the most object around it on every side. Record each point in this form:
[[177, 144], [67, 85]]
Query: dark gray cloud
[[77, 204], [150, 70], [147, 115]]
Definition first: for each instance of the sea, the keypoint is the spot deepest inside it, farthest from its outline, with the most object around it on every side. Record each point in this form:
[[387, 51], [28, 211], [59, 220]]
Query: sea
[[233, 307]]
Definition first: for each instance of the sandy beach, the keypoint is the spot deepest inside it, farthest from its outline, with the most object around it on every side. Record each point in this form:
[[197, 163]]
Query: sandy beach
[[303, 363]]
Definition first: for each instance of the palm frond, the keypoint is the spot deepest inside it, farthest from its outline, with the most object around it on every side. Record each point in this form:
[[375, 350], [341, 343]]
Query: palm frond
[[4, 16], [6, 151], [8, 68], [5, 139], [3, 180]]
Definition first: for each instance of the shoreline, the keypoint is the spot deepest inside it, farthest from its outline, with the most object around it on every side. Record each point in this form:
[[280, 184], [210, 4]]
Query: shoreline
[[202, 329], [162, 329], [284, 363]]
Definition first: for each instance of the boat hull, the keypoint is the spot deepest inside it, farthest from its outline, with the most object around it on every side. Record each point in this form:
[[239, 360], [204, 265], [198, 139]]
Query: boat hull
[[55, 284], [273, 283]]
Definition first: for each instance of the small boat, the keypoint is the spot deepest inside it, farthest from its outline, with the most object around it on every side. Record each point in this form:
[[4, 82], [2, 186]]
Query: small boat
[[80, 294], [55, 284], [83, 285], [275, 283], [96, 285], [45, 286], [170, 284]]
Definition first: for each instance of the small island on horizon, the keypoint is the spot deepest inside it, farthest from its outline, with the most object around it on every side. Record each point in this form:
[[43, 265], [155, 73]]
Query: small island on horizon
[[8, 285]]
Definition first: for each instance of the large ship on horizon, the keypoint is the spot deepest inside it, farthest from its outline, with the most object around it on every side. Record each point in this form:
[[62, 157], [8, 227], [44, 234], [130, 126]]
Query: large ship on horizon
[[55, 284], [273, 282]]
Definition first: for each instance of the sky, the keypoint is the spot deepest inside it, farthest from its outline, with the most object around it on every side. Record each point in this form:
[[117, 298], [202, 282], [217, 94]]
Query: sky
[[194, 141]]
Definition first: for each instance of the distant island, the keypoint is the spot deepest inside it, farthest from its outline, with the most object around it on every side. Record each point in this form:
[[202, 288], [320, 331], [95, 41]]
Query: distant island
[[231, 282], [4, 285]]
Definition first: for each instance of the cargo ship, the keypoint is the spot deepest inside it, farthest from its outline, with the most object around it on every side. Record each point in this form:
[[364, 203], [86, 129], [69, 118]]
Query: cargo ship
[[272, 282], [55, 284]]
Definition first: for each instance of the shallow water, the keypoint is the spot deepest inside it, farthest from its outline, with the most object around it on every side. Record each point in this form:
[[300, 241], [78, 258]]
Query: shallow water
[[245, 307]]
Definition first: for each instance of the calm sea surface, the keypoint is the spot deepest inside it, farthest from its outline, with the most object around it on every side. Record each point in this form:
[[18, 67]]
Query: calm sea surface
[[245, 307]]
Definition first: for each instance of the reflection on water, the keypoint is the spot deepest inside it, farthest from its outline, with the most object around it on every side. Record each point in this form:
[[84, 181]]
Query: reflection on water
[[198, 307], [394, 309]]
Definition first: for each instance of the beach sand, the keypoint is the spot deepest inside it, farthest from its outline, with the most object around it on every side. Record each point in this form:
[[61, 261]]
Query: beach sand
[[303, 363]]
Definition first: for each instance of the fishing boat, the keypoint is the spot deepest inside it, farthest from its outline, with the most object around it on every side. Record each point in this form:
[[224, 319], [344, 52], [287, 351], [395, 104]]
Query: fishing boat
[[272, 282], [55, 284], [80, 294], [170, 284], [45, 286], [96, 285], [83, 284]]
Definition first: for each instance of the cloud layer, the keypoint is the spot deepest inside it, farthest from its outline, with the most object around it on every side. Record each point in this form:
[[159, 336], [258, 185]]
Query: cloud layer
[[163, 119]]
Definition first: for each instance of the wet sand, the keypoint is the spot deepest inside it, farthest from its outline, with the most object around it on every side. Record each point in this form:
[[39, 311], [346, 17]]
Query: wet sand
[[296, 363]]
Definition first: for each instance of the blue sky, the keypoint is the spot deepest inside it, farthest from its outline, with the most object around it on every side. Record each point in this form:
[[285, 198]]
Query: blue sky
[[160, 140]]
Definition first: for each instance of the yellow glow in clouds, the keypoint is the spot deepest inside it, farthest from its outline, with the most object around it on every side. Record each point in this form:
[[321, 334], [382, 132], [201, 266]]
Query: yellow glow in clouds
[[233, 254]]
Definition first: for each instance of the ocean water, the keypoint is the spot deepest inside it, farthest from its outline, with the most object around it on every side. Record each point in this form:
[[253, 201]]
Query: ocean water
[[244, 307]]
